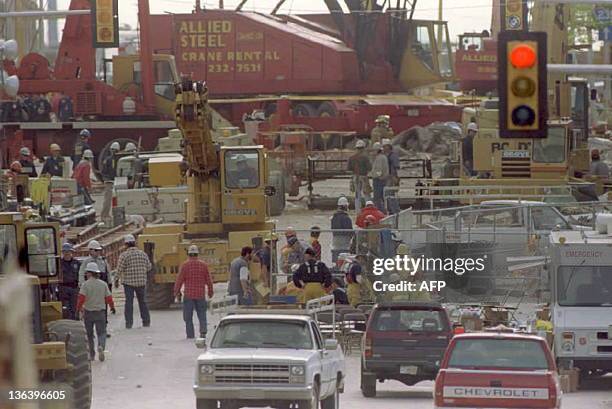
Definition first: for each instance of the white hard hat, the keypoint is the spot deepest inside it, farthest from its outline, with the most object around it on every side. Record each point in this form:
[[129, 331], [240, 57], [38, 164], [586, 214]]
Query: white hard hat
[[360, 144], [130, 147], [24, 151], [88, 154], [343, 201], [377, 145], [386, 141], [472, 127], [115, 146], [193, 249], [369, 203], [129, 238], [94, 245], [54, 147], [93, 267]]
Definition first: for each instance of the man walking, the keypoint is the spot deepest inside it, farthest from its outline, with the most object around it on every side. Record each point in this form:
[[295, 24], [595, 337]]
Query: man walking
[[341, 225], [132, 269], [69, 281], [313, 276], [82, 175], [80, 147], [109, 171], [195, 278], [94, 296], [359, 165], [95, 256], [240, 277], [380, 174]]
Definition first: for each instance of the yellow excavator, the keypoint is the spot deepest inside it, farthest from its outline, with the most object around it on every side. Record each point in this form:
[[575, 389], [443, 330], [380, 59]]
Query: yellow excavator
[[225, 207]]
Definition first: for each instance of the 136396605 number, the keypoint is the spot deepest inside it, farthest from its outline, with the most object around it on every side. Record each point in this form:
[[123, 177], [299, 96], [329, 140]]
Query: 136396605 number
[[31, 395]]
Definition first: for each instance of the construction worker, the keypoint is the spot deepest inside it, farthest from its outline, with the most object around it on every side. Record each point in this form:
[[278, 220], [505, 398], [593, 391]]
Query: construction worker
[[313, 276], [467, 148], [352, 278], [369, 210], [265, 256], [195, 279], [339, 292], [82, 174], [240, 277], [291, 289], [69, 280], [382, 130], [342, 226], [598, 167], [80, 147], [131, 147], [286, 249], [54, 164], [380, 175], [296, 253], [359, 165], [133, 268], [95, 256], [109, 171], [94, 297], [393, 180], [244, 176], [27, 165], [315, 233]]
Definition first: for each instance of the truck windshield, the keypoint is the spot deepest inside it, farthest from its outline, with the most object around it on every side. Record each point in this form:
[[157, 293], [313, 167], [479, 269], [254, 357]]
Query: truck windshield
[[8, 243], [498, 353], [584, 286], [263, 334], [409, 320], [550, 149]]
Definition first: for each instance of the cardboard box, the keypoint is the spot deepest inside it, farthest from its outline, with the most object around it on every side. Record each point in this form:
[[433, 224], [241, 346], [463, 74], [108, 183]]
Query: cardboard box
[[573, 379], [495, 316], [471, 323]]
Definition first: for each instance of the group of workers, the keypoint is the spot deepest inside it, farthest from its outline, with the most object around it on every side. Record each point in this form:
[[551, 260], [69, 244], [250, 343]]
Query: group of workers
[[380, 163]]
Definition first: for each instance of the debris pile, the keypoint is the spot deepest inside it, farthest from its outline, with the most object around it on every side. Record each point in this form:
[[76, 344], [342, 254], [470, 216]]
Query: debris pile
[[435, 139]]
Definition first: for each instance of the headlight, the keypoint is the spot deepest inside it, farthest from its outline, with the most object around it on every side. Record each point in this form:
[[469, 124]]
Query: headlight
[[297, 370], [207, 369]]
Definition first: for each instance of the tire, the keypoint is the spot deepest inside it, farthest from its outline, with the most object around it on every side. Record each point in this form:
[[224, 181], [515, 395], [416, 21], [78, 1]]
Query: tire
[[77, 355], [368, 385], [331, 402], [277, 202], [206, 404], [327, 110], [304, 110], [313, 403]]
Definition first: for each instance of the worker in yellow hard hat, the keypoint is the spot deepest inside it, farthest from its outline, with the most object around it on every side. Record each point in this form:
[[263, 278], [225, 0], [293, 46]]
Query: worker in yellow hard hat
[[54, 164], [382, 130]]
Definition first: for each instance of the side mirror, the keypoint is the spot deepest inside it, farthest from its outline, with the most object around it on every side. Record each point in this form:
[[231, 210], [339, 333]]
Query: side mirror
[[331, 344], [200, 343]]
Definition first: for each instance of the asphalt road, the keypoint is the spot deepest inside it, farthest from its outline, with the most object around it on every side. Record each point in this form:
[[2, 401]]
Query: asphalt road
[[153, 368]]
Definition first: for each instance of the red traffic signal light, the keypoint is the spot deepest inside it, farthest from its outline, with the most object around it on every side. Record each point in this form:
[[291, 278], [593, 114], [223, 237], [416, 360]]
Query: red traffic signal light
[[522, 85]]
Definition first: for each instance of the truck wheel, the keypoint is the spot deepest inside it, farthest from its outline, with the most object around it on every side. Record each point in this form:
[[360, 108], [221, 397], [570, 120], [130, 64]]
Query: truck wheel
[[332, 401], [313, 403], [77, 355], [65, 403], [277, 202], [206, 404], [368, 385], [159, 296], [327, 109]]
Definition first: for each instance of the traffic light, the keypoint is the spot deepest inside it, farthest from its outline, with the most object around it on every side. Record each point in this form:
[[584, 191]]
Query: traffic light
[[522, 85]]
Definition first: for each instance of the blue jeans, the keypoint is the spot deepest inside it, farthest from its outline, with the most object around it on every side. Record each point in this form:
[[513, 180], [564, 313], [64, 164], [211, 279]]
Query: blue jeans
[[97, 319], [379, 191], [199, 305], [129, 305]]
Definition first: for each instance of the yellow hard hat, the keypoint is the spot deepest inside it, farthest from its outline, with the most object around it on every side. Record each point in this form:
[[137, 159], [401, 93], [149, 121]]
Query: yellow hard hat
[[54, 147]]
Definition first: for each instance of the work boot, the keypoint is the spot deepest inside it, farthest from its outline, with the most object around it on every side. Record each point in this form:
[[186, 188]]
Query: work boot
[[101, 354], [146, 324]]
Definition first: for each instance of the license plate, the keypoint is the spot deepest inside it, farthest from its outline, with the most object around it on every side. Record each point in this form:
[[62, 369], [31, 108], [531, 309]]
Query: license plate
[[408, 370]]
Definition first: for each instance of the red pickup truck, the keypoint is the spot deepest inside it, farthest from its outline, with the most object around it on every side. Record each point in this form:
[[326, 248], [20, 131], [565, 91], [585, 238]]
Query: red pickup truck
[[497, 370]]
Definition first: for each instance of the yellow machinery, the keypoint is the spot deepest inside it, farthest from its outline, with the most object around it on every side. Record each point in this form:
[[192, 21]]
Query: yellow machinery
[[60, 346], [225, 207]]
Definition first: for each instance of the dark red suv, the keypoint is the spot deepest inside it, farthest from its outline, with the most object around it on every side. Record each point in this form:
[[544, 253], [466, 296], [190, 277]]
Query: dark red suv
[[404, 341]]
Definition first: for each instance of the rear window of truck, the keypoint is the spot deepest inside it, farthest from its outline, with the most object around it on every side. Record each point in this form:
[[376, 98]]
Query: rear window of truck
[[498, 353], [263, 334], [410, 320]]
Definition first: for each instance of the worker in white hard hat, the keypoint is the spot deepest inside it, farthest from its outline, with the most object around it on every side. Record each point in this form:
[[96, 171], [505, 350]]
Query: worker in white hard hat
[[95, 256], [108, 172], [342, 227], [94, 297], [80, 147], [360, 166], [380, 175], [82, 175], [133, 268], [27, 164], [195, 280], [382, 129], [131, 147], [54, 164], [467, 148]]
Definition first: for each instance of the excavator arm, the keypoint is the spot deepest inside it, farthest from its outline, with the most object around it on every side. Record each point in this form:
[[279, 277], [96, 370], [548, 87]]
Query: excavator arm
[[193, 118]]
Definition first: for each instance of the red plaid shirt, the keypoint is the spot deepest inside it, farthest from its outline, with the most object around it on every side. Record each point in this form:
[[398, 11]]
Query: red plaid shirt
[[194, 275]]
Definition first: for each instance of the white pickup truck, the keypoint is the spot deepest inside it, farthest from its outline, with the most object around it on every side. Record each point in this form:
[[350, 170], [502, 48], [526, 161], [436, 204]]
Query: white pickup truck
[[269, 359]]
